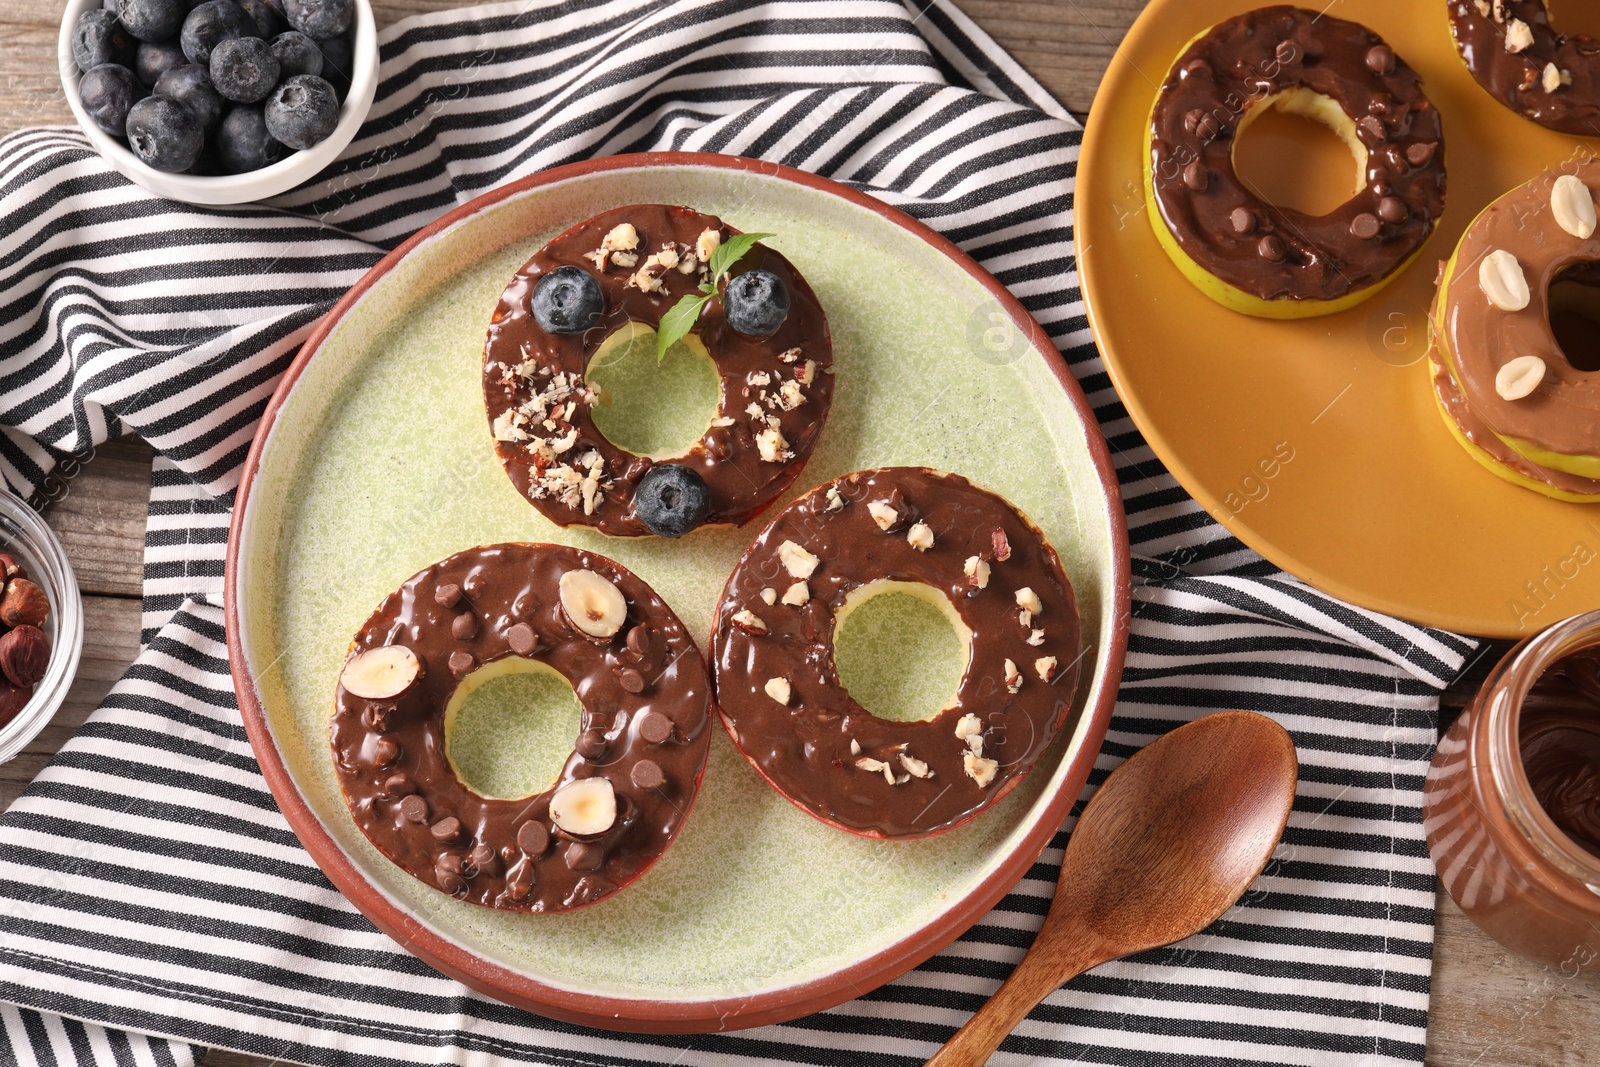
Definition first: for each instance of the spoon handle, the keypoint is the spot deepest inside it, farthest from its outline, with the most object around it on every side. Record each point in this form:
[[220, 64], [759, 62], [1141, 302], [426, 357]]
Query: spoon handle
[[1047, 966]]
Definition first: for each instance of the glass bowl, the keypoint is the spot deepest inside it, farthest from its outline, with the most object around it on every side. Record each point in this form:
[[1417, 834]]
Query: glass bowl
[[25, 537]]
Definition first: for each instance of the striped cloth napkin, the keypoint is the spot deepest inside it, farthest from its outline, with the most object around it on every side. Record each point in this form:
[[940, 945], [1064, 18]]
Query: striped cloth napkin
[[153, 902]]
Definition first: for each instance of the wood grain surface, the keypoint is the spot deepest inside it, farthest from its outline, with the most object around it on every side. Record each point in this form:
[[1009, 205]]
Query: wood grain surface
[[1489, 1007]]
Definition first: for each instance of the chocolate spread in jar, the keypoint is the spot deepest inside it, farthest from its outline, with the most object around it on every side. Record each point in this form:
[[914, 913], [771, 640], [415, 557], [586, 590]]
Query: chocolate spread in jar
[[645, 727], [1560, 742], [775, 390]]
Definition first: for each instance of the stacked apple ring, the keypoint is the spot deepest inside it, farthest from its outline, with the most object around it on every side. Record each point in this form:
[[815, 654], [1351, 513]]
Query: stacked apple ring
[[1512, 397]]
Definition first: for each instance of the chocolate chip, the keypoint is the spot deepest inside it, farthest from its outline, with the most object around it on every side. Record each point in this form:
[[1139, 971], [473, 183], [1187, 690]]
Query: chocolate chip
[[398, 785], [484, 859], [475, 584], [1209, 129], [1421, 153], [385, 752], [1392, 209], [1191, 119], [453, 884], [1286, 52], [1380, 59], [646, 774], [447, 595], [1243, 219], [630, 680], [1365, 226], [1196, 176], [448, 862], [521, 639], [1396, 158], [378, 716], [585, 856], [533, 837], [461, 662], [1372, 126], [655, 727], [591, 744], [464, 627], [520, 883], [1272, 249], [639, 641], [414, 808], [1197, 68], [446, 829]]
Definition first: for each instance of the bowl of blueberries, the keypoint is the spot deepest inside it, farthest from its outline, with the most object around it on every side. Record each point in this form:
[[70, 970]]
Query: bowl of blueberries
[[219, 101]]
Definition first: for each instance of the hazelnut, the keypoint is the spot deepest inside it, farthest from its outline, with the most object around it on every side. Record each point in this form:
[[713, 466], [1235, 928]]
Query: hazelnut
[[381, 673], [24, 655], [593, 604], [24, 604], [9, 568], [12, 700]]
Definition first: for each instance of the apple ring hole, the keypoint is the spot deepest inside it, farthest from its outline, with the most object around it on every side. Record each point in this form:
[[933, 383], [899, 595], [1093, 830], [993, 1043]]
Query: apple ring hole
[[1572, 18], [901, 649], [659, 409], [509, 728], [1575, 315], [1294, 150]]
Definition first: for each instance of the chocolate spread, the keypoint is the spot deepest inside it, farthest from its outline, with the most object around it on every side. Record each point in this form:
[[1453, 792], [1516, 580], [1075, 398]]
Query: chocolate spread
[[819, 747], [645, 726], [775, 390], [1568, 101], [1563, 414], [1560, 738], [1274, 252]]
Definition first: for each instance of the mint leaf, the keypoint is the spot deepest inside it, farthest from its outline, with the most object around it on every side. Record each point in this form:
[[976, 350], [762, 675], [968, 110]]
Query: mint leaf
[[731, 251], [677, 322]]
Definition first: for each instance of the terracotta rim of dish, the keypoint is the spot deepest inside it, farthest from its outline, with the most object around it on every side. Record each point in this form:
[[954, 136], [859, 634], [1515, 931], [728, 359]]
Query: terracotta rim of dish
[[700, 1015]]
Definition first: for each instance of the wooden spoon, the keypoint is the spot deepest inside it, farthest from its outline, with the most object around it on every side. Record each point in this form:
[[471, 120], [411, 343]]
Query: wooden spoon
[[1171, 840]]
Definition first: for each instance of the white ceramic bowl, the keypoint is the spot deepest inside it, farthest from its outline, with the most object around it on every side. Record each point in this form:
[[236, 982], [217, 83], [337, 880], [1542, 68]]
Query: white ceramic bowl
[[24, 535], [282, 176]]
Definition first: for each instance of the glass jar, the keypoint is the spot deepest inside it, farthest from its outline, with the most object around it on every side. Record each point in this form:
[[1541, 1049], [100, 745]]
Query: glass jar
[[1501, 857], [24, 535]]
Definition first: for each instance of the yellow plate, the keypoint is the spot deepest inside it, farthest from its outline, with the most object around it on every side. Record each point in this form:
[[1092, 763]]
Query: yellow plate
[[1376, 504]]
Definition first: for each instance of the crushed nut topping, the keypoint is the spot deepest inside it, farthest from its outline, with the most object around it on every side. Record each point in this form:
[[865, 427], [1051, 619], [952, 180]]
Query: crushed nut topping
[[882, 514], [1519, 37], [779, 689], [1036, 638], [623, 238], [920, 536], [796, 560], [867, 763], [806, 373], [835, 501], [708, 242], [772, 446], [1013, 677], [980, 770], [1002, 547], [1045, 667], [790, 396], [1028, 601], [770, 595], [789, 355], [977, 571], [797, 595], [1551, 80], [758, 378], [855, 747], [914, 767], [748, 621]]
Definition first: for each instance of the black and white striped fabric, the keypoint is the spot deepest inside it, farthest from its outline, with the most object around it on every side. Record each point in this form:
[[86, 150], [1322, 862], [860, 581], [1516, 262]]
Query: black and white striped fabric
[[148, 884]]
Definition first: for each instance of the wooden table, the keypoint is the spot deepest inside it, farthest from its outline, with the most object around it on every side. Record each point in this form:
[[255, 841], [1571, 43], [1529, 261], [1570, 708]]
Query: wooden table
[[1489, 1006]]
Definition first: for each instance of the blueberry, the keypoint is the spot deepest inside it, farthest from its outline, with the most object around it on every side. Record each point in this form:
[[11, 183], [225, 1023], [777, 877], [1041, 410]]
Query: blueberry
[[671, 499], [108, 92], [210, 24], [268, 22], [164, 134], [755, 302], [567, 300], [302, 111], [319, 18], [98, 38], [152, 20], [243, 70], [155, 59], [296, 54], [243, 143], [191, 86], [338, 62]]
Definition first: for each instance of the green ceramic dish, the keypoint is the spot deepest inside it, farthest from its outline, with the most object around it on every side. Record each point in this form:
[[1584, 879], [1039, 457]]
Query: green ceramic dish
[[375, 459]]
